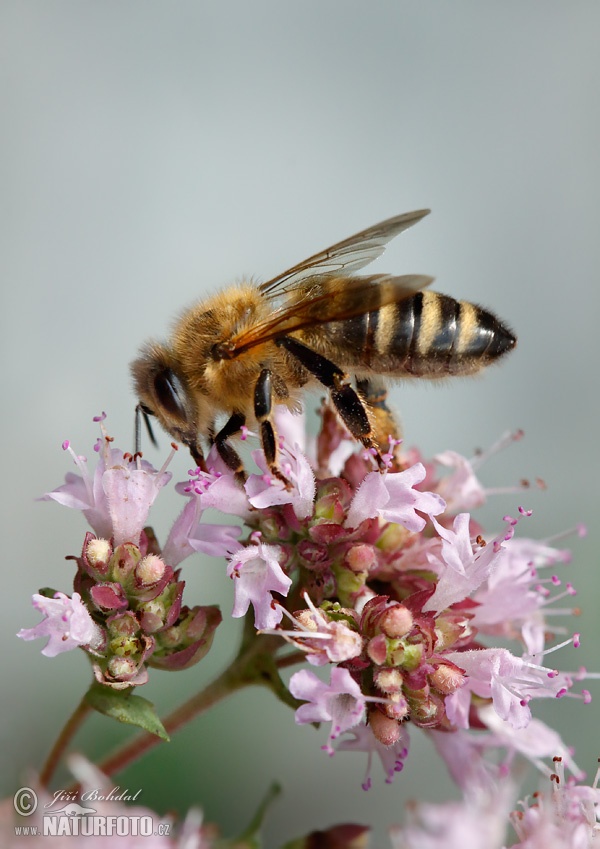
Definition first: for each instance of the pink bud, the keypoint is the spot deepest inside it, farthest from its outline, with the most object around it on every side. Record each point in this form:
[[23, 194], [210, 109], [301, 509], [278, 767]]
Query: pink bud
[[361, 557], [377, 649], [389, 680], [386, 730], [149, 570], [447, 678], [396, 621]]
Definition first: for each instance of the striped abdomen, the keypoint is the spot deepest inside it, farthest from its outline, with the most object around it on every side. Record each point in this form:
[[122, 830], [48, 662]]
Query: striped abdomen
[[425, 335]]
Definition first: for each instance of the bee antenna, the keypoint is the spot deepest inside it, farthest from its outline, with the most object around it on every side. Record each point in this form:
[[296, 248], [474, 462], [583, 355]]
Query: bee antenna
[[141, 411]]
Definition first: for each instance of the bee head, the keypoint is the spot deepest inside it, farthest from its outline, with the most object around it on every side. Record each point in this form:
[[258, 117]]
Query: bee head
[[162, 392]]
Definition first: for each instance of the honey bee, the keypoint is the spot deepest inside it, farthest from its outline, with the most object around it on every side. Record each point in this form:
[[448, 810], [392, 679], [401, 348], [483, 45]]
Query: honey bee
[[251, 346]]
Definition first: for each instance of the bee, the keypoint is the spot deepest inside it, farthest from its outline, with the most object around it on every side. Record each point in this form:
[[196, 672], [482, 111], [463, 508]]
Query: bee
[[253, 346]]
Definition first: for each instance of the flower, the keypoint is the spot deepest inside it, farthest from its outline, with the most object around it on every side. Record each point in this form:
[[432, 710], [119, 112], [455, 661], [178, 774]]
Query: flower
[[340, 702], [217, 488], [266, 491], [326, 637], [257, 574], [127, 611], [478, 821], [462, 569], [392, 497], [117, 497], [67, 624], [189, 533], [508, 680], [562, 816], [404, 597]]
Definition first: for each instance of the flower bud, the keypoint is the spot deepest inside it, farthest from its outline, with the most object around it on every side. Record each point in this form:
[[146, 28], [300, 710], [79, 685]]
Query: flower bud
[[149, 570], [124, 560], [313, 555], [121, 668], [108, 597], [386, 730], [187, 641], [273, 527], [377, 649], [98, 552], [361, 558], [388, 680], [397, 707], [447, 678], [393, 538], [396, 621], [123, 625]]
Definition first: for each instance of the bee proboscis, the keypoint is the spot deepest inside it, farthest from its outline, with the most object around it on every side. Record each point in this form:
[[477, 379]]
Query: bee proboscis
[[253, 346]]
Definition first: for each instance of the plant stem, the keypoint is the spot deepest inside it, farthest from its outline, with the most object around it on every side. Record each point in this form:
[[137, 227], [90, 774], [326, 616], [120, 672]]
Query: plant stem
[[245, 670], [68, 732]]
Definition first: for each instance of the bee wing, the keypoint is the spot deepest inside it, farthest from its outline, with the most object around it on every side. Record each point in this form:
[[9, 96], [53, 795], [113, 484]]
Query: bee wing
[[328, 298], [347, 256]]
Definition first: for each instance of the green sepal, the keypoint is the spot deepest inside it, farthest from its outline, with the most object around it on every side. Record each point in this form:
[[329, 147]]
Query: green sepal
[[47, 592], [125, 707]]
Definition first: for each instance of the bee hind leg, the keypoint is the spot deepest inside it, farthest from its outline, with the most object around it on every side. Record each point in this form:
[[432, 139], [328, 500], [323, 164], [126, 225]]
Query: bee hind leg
[[346, 400], [385, 424], [263, 403]]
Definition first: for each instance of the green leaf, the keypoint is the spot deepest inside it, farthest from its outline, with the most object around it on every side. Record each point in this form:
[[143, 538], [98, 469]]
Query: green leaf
[[124, 707]]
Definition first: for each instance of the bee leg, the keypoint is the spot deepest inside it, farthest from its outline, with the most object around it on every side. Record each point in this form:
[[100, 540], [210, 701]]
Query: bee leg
[[228, 454], [197, 454], [346, 400], [385, 424], [263, 402]]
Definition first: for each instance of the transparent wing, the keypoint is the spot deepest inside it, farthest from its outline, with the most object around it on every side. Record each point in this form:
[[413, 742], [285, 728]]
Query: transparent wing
[[328, 298], [344, 257]]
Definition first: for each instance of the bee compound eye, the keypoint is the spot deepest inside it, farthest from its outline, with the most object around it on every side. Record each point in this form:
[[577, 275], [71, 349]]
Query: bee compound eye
[[169, 392]]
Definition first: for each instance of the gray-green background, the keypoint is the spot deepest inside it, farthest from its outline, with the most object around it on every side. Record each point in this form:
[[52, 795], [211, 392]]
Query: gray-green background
[[151, 152]]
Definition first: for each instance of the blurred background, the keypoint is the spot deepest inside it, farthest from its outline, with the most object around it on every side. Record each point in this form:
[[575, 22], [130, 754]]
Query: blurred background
[[151, 152]]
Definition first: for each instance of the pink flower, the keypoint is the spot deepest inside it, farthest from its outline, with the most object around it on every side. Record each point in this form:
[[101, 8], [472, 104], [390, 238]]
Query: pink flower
[[462, 570], [117, 497], [461, 490], [340, 702], [564, 816], [257, 574], [66, 623], [514, 596], [267, 491], [478, 821], [391, 497], [508, 680], [463, 753], [190, 534], [324, 639], [217, 488], [535, 742]]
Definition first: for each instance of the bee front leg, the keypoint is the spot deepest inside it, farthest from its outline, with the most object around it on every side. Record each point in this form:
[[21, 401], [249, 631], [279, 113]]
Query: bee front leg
[[346, 400], [228, 454], [263, 402]]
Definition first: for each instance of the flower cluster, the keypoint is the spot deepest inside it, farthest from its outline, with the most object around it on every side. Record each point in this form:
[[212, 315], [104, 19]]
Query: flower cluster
[[385, 578], [127, 609], [565, 815], [397, 594]]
